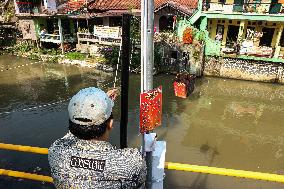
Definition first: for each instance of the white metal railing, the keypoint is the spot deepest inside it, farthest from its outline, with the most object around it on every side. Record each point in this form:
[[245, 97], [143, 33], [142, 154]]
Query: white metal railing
[[255, 7], [55, 38], [103, 40]]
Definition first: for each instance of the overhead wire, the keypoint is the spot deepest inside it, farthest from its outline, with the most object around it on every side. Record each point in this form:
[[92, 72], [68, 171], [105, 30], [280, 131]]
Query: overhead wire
[[48, 104], [19, 66], [117, 65]]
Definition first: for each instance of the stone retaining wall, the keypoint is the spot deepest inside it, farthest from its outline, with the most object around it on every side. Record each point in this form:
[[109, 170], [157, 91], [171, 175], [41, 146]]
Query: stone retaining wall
[[244, 69]]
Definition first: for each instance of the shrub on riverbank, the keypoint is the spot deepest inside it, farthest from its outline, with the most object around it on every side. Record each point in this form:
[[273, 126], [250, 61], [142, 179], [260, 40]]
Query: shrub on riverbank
[[22, 47], [75, 56], [110, 55]]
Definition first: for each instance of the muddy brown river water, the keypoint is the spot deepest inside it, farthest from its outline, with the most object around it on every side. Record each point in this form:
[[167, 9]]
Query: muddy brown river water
[[224, 123]]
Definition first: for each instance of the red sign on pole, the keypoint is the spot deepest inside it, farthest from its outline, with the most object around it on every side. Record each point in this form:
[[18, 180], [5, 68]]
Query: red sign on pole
[[150, 109]]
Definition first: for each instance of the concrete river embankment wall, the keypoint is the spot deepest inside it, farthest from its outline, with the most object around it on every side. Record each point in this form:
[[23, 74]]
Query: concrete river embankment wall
[[252, 70]]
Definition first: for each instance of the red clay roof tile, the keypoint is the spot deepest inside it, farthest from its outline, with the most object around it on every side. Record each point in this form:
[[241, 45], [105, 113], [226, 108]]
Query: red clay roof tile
[[105, 5]]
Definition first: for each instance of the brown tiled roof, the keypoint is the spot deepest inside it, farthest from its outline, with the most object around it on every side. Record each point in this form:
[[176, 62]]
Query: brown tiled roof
[[105, 5]]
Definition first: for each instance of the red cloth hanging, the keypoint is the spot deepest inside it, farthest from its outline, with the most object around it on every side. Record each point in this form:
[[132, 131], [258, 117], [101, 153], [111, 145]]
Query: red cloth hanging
[[184, 84], [180, 89], [187, 37], [150, 109]]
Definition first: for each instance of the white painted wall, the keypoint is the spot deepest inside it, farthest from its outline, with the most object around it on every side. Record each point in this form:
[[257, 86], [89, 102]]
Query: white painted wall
[[50, 5]]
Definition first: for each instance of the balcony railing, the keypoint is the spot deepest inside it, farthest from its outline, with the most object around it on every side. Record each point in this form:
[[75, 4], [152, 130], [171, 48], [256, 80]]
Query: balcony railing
[[103, 40], [255, 7], [55, 38]]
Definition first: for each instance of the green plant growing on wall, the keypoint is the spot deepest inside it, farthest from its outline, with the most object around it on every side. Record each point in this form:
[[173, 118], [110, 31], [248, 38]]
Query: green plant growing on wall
[[135, 28], [75, 56], [199, 35], [135, 36]]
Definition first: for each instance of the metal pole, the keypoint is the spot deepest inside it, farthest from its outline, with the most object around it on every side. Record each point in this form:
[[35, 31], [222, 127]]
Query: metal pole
[[124, 79], [61, 35], [142, 45], [149, 47], [147, 61]]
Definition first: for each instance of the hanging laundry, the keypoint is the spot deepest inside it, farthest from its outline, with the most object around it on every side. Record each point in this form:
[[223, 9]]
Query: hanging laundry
[[150, 109], [187, 37]]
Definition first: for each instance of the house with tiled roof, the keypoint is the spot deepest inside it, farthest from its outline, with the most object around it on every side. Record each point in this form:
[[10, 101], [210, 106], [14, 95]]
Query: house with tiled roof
[[54, 21], [251, 29], [164, 10]]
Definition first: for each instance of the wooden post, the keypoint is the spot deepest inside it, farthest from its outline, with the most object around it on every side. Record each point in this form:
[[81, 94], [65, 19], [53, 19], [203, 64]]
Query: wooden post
[[241, 30], [213, 28], [224, 41], [125, 79], [61, 35], [277, 46]]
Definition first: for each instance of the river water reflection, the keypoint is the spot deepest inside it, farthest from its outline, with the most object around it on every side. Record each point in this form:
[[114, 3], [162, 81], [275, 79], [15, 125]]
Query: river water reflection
[[224, 123]]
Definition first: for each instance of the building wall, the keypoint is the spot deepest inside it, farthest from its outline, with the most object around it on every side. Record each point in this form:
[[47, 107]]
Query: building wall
[[50, 5], [28, 29], [244, 24], [244, 69]]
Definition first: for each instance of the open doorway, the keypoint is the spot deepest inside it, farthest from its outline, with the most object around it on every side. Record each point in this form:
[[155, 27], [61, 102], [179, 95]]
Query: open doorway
[[232, 35], [166, 23], [52, 26], [267, 37], [115, 21]]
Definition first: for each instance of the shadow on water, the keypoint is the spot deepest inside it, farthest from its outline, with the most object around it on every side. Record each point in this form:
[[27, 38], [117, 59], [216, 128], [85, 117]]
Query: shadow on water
[[201, 179]]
